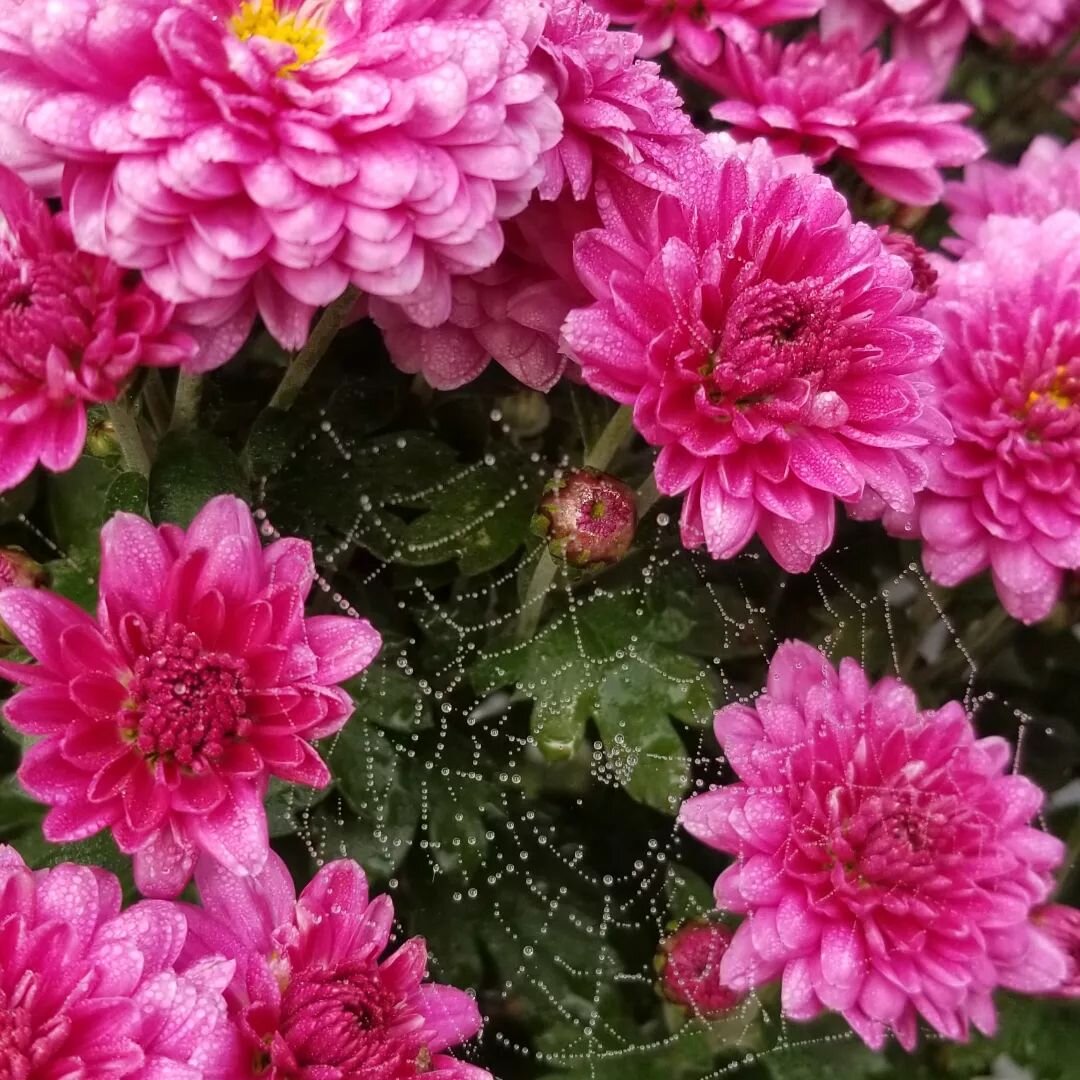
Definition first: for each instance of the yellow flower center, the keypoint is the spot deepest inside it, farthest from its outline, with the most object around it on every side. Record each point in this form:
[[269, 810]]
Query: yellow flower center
[[261, 18], [1060, 392]]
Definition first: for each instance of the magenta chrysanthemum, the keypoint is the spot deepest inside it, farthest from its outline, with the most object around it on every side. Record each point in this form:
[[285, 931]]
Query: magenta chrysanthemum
[[616, 108], [311, 998], [834, 99], [265, 153], [1047, 178], [931, 33], [511, 313], [885, 860], [767, 346], [163, 719], [1006, 494], [689, 969], [88, 991], [698, 25], [73, 330]]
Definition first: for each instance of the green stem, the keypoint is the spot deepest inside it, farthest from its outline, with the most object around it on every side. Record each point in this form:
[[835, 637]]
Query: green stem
[[185, 413], [307, 359], [126, 428], [647, 496], [611, 441], [157, 400]]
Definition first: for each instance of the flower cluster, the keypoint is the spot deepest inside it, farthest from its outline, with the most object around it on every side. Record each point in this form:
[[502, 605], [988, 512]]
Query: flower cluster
[[884, 857]]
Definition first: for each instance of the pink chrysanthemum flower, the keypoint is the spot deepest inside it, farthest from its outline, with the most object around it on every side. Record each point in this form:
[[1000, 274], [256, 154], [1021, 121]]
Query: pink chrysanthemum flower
[[1070, 104], [73, 330], [511, 313], [884, 856], [1047, 178], [923, 275], [1061, 924], [615, 107], [88, 991], [688, 967], [834, 99], [163, 719], [265, 153], [1006, 494], [931, 33], [766, 344], [307, 970], [699, 25]]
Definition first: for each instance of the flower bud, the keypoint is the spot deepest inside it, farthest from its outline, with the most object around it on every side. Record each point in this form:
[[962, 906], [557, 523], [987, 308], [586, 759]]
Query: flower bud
[[101, 438], [588, 517], [17, 571], [527, 413], [1061, 924], [924, 276], [688, 967]]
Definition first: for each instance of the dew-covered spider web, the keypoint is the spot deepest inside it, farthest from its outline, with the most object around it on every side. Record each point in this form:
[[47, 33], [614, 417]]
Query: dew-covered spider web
[[511, 775]]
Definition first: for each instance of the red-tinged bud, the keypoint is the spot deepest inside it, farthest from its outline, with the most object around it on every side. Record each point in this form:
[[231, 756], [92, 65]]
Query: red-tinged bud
[[924, 276], [587, 517], [688, 967]]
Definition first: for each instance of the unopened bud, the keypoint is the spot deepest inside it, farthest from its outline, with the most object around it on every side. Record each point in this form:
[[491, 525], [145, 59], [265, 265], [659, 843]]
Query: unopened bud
[[587, 517], [101, 439], [688, 968], [924, 276], [527, 413]]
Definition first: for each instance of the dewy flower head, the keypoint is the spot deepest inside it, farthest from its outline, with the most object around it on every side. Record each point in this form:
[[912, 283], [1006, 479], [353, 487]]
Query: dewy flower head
[[831, 99], [263, 154], [311, 997], [1047, 178], [88, 991], [698, 25], [884, 856], [163, 719], [73, 330], [1006, 494], [767, 346], [689, 969]]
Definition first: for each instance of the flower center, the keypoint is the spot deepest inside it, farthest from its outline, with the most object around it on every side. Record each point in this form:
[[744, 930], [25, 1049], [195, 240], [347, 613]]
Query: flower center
[[304, 35], [188, 701], [344, 1018], [1061, 392], [774, 334], [15, 1040]]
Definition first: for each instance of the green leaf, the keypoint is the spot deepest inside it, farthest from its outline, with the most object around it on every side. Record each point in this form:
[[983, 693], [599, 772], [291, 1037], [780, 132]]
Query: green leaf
[[688, 894], [389, 698], [377, 783], [76, 577], [643, 749], [191, 468], [77, 503], [17, 810], [127, 494], [481, 517]]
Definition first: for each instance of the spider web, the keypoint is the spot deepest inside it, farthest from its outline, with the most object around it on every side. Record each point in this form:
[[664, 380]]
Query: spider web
[[481, 842]]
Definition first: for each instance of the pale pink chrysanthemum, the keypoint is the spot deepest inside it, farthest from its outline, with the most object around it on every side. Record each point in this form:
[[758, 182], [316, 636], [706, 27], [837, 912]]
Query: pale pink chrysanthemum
[[1006, 494], [884, 856], [510, 313], [73, 330], [931, 33], [831, 99], [1047, 178], [164, 718], [89, 991], [619, 115], [311, 998], [699, 25], [616, 109], [767, 346], [263, 154]]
